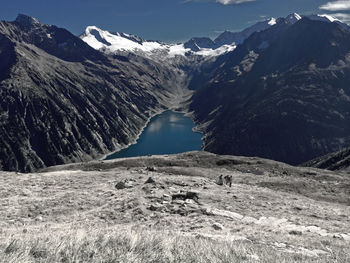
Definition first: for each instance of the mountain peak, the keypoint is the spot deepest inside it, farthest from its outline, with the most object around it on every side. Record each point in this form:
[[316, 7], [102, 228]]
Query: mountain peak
[[293, 18], [26, 21], [91, 28], [272, 21]]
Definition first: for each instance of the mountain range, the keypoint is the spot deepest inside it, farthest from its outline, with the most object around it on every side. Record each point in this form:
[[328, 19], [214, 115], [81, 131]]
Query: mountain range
[[277, 89]]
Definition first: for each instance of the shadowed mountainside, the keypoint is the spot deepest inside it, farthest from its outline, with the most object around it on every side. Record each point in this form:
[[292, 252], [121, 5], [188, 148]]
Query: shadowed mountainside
[[283, 94], [63, 101]]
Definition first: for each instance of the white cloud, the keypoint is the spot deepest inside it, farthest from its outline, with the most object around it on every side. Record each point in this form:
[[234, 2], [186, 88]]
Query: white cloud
[[224, 2], [232, 2], [336, 5]]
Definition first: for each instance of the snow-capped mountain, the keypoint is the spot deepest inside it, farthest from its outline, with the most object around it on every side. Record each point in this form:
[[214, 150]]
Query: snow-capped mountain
[[198, 46], [201, 46], [229, 38], [113, 42]]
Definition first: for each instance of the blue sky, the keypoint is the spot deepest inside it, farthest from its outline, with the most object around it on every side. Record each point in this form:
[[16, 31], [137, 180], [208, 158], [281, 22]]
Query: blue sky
[[166, 20]]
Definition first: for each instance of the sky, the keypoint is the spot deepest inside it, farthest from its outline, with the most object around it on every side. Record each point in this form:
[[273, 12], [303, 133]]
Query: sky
[[170, 21]]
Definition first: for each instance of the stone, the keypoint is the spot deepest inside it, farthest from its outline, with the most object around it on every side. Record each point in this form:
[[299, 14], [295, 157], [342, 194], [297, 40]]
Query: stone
[[166, 196], [151, 169], [124, 184], [189, 195], [295, 232], [189, 201], [224, 213], [218, 226], [120, 185], [156, 207], [345, 237], [150, 180]]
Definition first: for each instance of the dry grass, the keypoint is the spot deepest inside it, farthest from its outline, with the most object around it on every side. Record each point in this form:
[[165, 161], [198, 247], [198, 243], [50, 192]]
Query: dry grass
[[137, 245], [79, 215]]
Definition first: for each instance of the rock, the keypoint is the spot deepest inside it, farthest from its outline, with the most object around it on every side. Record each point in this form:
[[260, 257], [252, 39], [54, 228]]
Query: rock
[[345, 237], [156, 207], [194, 227], [218, 226], [166, 196], [147, 189], [39, 218], [280, 245], [123, 184], [189, 201], [224, 213], [150, 180], [192, 195], [120, 185], [151, 169], [188, 195], [295, 232]]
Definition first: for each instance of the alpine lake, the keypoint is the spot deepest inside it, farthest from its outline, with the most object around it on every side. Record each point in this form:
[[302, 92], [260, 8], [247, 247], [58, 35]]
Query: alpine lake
[[167, 133]]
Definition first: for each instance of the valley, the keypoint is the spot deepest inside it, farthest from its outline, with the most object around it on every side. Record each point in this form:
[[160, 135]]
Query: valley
[[258, 92]]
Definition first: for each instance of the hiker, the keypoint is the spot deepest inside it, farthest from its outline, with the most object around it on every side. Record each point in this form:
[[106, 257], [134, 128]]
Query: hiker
[[228, 180], [220, 181]]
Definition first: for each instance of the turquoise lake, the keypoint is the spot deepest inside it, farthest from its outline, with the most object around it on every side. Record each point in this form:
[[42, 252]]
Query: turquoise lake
[[167, 133]]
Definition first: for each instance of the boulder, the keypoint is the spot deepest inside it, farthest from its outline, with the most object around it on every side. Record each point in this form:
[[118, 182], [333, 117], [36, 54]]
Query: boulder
[[218, 226]]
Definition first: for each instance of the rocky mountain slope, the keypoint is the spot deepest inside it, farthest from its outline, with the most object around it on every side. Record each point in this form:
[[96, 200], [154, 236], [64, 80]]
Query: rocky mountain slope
[[283, 94], [339, 160], [63, 101], [273, 212]]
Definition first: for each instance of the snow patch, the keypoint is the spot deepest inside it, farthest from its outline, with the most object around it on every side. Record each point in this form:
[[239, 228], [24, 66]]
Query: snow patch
[[215, 52], [330, 18], [272, 22], [113, 42]]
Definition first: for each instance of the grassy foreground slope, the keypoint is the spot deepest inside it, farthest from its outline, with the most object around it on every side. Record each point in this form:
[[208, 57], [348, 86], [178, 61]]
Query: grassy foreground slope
[[272, 213]]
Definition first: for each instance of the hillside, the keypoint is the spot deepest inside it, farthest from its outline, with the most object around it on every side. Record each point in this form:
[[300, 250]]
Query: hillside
[[272, 213]]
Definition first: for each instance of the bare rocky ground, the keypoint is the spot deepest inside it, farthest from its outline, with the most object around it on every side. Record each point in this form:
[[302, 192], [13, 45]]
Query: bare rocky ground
[[292, 212]]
